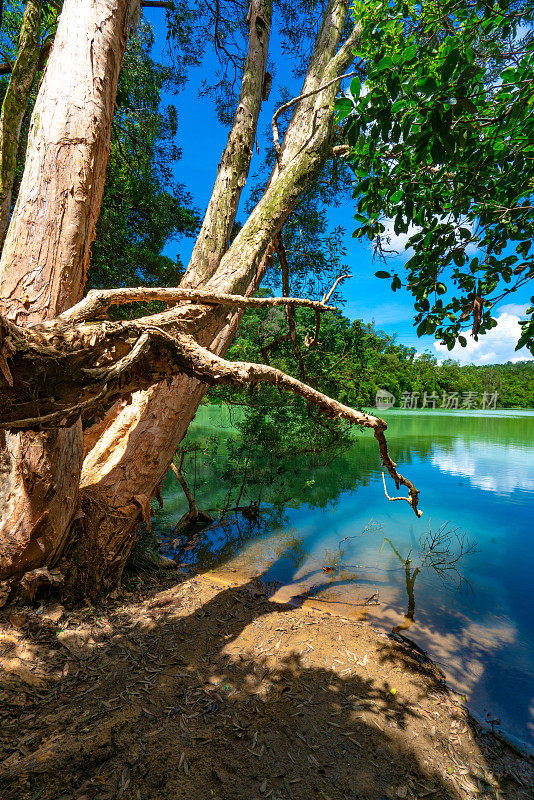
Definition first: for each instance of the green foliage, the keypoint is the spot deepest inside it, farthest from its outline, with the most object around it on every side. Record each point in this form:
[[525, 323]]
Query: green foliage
[[442, 143], [144, 208], [351, 362]]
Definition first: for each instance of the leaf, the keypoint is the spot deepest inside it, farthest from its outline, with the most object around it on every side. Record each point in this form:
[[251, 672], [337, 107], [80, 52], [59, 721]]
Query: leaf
[[397, 196], [343, 107], [385, 63], [427, 85], [410, 53], [355, 87], [382, 274], [449, 64], [467, 104]]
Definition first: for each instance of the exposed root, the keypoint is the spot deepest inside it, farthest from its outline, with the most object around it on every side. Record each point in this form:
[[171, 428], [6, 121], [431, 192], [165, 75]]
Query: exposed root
[[141, 354]]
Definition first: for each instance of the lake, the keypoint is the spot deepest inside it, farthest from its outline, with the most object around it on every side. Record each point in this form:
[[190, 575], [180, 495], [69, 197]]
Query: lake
[[329, 533]]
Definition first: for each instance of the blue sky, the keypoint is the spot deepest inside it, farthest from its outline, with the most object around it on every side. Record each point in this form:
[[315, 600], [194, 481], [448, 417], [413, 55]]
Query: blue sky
[[202, 139]]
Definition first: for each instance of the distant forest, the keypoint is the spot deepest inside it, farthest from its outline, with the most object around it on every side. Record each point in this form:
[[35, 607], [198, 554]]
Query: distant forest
[[352, 361]]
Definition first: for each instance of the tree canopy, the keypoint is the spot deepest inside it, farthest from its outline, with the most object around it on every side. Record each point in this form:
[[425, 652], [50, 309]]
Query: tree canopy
[[442, 143]]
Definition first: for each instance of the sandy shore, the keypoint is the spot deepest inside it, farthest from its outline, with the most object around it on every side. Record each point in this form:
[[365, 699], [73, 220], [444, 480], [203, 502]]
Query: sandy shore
[[204, 688]]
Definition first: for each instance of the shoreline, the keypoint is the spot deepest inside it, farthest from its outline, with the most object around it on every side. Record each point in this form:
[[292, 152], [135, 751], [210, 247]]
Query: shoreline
[[335, 608], [201, 686]]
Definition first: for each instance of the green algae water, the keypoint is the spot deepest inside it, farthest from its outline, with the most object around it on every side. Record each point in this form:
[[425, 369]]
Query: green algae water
[[330, 534]]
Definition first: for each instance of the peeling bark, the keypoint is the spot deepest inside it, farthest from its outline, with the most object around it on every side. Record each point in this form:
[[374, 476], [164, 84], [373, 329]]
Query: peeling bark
[[46, 254]]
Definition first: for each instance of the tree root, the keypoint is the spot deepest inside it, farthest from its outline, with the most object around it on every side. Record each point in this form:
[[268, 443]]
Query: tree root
[[73, 363]]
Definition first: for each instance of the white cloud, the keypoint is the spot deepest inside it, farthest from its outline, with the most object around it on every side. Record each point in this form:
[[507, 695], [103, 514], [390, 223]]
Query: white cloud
[[489, 466], [398, 241], [495, 347]]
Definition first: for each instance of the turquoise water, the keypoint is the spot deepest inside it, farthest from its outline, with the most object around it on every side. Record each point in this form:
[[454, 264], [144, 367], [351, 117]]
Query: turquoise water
[[476, 477]]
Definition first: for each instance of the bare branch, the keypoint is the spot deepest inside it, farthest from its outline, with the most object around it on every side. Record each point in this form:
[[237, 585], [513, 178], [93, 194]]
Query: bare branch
[[285, 106], [337, 281], [193, 510], [217, 370], [408, 499], [98, 301]]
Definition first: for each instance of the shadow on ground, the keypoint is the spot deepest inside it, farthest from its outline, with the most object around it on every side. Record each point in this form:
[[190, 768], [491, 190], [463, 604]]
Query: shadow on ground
[[210, 691]]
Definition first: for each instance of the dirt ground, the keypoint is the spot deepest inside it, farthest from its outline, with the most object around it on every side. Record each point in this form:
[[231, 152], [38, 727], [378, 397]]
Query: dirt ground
[[205, 689]]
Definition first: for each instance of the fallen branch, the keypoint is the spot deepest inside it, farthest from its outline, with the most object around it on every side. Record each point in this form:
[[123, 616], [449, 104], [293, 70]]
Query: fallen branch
[[59, 374]]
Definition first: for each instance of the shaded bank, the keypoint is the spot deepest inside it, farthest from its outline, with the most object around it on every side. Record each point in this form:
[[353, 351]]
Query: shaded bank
[[211, 690]]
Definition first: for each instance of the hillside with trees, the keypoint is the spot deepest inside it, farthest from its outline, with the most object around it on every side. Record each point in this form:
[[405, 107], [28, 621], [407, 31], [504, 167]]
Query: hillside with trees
[[352, 361]]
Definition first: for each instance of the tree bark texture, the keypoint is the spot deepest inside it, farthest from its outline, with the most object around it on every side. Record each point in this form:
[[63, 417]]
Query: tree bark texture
[[46, 254]]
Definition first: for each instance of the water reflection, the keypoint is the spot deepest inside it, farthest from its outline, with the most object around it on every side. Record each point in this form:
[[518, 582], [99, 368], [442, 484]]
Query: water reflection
[[475, 474], [489, 466]]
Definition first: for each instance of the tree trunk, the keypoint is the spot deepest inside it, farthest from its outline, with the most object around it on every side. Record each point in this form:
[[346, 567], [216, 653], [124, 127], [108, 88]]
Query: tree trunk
[[53, 225], [131, 456], [59, 199], [128, 462], [46, 254]]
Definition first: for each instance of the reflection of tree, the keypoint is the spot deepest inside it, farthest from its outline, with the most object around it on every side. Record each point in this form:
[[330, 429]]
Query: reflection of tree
[[441, 550], [410, 577], [221, 541], [231, 467]]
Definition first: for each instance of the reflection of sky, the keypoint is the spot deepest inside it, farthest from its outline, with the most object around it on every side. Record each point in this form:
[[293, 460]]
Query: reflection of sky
[[483, 640], [476, 475], [491, 466]]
